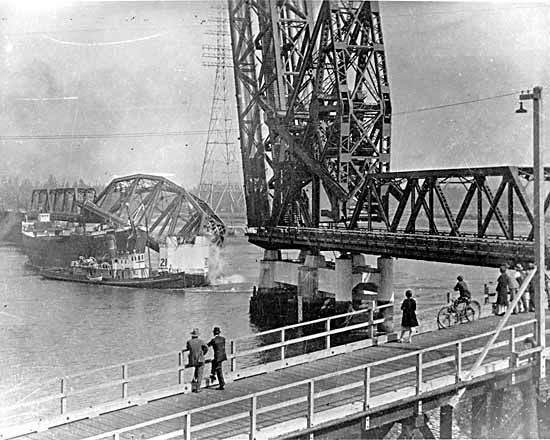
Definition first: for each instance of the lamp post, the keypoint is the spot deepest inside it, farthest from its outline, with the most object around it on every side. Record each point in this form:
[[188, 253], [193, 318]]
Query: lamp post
[[538, 171]]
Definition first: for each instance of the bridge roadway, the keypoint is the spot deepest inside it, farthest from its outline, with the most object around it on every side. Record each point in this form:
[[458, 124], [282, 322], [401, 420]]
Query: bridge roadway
[[465, 249], [380, 381]]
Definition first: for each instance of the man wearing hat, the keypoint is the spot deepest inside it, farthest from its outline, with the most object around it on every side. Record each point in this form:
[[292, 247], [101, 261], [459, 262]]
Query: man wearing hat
[[218, 345], [197, 349]]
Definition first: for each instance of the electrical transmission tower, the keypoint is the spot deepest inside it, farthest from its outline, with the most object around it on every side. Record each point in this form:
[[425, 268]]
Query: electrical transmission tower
[[221, 175]]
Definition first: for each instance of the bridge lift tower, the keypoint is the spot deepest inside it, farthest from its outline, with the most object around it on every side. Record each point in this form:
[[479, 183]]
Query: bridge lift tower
[[315, 116]]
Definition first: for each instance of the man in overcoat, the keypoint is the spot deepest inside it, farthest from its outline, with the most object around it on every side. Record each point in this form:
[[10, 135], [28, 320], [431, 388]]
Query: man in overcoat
[[197, 349], [218, 345]]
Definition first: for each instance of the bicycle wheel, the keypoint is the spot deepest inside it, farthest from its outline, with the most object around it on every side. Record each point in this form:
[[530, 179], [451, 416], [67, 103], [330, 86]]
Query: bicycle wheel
[[469, 314], [477, 308], [444, 318]]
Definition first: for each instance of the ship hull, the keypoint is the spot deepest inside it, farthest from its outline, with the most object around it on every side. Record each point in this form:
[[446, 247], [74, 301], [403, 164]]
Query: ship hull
[[178, 280], [60, 250]]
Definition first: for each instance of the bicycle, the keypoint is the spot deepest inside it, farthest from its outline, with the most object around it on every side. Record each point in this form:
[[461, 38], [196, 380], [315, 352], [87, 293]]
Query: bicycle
[[458, 312]]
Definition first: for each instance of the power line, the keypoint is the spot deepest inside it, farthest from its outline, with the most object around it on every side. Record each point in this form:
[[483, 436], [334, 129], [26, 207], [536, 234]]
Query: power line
[[454, 104], [464, 11], [104, 135]]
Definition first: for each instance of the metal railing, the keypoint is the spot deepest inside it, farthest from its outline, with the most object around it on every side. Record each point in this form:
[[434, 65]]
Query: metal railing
[[363, 379], [293, 345]]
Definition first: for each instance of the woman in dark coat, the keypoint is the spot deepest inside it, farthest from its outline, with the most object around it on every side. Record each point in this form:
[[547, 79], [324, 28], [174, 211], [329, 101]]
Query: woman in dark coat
[[408, 320]]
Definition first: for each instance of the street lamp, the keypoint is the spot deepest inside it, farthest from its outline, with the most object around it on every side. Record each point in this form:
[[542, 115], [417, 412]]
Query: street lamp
[[538, 171]]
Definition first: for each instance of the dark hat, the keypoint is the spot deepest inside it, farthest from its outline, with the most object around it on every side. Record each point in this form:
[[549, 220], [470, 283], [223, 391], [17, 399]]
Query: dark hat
[[459, 278], [216, 330], [195, 332]]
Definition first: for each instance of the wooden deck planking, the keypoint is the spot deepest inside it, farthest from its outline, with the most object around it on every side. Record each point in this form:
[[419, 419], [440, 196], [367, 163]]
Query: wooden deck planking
[[174, 404]]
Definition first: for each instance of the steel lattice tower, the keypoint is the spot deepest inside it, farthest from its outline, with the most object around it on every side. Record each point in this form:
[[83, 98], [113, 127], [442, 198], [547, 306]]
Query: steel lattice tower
[[220, 183], [314, 107]]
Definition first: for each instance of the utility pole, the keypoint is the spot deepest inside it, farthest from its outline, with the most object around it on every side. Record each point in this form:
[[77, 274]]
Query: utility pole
[[538, 171]]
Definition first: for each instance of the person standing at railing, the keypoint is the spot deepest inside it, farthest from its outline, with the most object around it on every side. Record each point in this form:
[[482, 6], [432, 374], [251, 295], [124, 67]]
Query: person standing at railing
[[503, 283], [408, 320], [218, 345], [197, 349]]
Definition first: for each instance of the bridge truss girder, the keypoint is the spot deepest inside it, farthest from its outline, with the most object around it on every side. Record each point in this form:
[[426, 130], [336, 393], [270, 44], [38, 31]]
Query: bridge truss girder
[[475, 216], [61, 203], [321, 89], [159, 206], [489, 202]]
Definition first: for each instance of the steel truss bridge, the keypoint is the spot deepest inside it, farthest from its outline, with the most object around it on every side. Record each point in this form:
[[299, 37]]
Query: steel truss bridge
[[315, 112], [61, 203], [157, 204], [152, 202], [477, 216]]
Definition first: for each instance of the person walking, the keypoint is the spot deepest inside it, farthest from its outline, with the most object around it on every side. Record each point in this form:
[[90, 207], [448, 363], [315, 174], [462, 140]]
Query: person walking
[[197, 349], [408, 320], [503, 282], [218, 345]]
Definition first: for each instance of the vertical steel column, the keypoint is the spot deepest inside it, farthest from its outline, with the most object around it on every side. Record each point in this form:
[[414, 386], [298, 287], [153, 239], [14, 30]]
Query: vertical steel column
[[248, 107]]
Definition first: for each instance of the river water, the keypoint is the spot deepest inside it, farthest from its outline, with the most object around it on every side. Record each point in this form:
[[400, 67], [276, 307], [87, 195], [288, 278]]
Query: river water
[[49, 329]]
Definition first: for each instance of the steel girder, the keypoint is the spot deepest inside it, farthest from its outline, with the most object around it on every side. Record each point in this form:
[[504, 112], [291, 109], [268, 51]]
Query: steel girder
[[61, 203], [250, 103], [490, 202], [322, 90], [474, 216], [160, 206]]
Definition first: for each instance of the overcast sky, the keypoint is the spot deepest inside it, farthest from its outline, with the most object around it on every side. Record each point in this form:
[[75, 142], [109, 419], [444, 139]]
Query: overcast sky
[[134, 67]]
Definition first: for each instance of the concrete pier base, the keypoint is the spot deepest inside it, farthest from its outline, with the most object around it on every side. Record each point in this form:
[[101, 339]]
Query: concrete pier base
[[385, 292], [416, 427], [446, 422], [495, 413], [479, 427], [529, 413]]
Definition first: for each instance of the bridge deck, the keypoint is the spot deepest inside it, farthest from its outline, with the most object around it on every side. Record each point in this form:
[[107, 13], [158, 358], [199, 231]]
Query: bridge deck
[[467, 249], [383, 390]]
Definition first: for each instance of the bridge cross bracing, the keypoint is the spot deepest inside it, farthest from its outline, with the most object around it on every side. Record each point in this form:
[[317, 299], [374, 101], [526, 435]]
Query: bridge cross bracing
[[476, 216], [299, 399], [315, 119]]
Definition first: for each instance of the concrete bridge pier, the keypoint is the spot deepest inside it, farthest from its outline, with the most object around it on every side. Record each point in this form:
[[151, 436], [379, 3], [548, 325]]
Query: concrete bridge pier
[[308, 288], [308, 282], [385, 291], [479, 427]]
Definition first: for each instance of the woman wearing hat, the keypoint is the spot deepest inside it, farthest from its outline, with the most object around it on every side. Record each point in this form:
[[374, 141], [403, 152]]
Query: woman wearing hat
[[197, 349]]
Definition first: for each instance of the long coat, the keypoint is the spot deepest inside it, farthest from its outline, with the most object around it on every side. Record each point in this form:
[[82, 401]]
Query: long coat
[[503, 283], [218, 345], [197, 349], [409, 313]]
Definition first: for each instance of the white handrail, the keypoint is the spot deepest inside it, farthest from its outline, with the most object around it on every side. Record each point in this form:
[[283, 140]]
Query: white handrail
[[124, 380], [310, 394]]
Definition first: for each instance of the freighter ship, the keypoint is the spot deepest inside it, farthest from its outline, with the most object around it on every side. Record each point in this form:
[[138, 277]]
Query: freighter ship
[[50, 243], [141, 231]]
